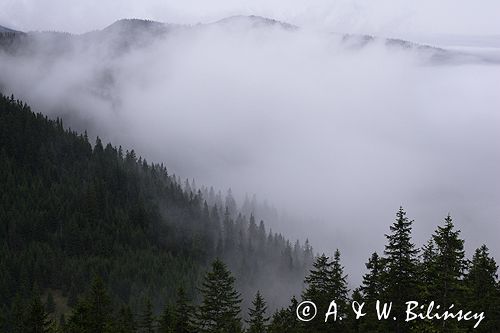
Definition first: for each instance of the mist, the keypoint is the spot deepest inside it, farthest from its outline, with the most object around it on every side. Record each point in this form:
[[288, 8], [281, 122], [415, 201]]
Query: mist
[[336, 132]]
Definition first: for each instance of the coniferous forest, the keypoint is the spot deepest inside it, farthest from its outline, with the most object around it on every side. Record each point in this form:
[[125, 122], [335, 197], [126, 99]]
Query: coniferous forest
[[97, 239]]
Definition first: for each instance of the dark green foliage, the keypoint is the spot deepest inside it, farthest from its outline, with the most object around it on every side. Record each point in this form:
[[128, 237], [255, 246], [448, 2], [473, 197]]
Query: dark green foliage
[[257, 314], [177, 318], [220, 308], [94, 313], [400, 270], [50, 306], [372, 290], [147, 320], [183, 313], [70, 210], [166, 322], [483, 293], [285, 320], [450, 263], [326, 283], [125, 322], [442, 271], [37, 320]]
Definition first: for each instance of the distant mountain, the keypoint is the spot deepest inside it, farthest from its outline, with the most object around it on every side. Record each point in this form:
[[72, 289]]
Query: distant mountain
[[255, 22], [4, 30], [127, 34]]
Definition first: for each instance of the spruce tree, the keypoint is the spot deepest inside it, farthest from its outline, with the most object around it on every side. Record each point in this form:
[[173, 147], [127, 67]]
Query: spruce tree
[[183, 313], [450, 264], [125, 322], [371, 291], [285, 320], [326, 282], [400, 273], [166, 322], [17, 315], [100, 308], [257, 322], [220, 307], [483, 292], [37, 319], [147, 321], [50, 306], [93, 314]]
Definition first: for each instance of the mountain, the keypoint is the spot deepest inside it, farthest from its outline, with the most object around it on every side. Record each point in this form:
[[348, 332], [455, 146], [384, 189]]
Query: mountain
[[7, 30], [254, 21], [70, 211], [127, 34]]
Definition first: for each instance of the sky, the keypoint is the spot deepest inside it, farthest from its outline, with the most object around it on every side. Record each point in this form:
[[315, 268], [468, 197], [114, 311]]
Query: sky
[[336, 136], [381, 17]]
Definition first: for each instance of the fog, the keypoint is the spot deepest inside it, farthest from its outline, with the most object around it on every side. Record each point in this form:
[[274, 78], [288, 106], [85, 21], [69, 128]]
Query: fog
[[335, 132], [397, 18]]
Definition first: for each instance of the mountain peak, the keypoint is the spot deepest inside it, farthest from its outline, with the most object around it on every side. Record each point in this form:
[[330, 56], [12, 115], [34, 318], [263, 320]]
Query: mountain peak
[[255, 21], [7, 30], [132, 25]]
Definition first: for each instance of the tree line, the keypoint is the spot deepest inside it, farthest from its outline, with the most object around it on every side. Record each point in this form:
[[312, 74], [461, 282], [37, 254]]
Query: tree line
[[438, 272], [94, 239], [70, 210]]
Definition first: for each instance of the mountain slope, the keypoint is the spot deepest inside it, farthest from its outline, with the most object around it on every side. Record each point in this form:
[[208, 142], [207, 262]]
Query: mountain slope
[[126, 34], [70, 211], [7, 30]]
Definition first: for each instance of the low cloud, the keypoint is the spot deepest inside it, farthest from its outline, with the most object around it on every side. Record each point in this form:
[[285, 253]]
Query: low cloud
[[336, 133]]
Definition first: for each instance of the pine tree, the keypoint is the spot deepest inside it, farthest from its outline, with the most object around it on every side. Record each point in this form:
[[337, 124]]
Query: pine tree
[[483, 293], [326, 283], [450, 264], [37, 320], [220, 308], [93, 314], [17, 315], [100, 308], [371, 290], [428, 271], [183, 313], [125, 322], [50, 306], [285, 320], [166, 321], [257, 314], [400, 271], [147, 321]]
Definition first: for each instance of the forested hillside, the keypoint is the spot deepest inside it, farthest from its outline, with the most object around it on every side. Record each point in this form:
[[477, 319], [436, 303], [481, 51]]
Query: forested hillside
[[94, 239], [71, 211]]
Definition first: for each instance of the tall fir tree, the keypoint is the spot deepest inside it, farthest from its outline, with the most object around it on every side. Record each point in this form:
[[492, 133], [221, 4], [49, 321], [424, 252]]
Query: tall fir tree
[[371, 290], [147, 320], [125, 322], [220, 308], [326, 283], [183, 313], [482, 288], [285, 320], [450, 263], [257, 322], [400, 273], [166, 321], [93, 314], [37, 319]]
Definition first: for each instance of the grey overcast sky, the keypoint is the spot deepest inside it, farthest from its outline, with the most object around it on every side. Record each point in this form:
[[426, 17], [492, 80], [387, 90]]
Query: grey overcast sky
[[383, 17]]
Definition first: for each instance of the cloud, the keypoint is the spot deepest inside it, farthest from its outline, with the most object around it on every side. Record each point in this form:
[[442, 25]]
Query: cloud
[[382, 17], [338, 134]]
